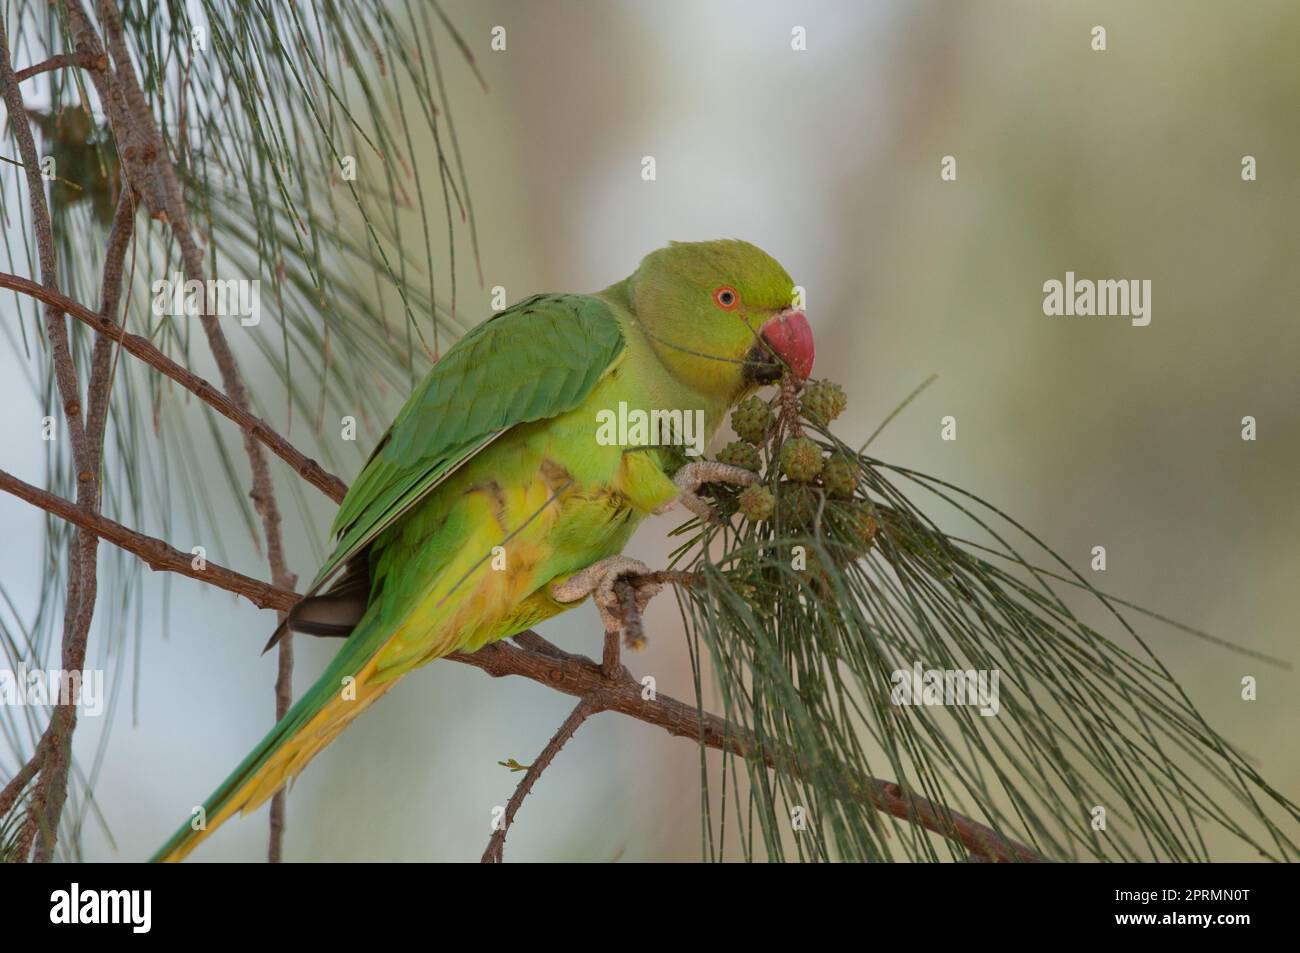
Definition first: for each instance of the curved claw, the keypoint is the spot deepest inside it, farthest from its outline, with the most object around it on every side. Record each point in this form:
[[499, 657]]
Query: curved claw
[[694, 475]]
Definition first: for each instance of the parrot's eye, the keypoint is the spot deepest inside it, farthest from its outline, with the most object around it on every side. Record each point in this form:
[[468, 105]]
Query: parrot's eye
[[726, 297]]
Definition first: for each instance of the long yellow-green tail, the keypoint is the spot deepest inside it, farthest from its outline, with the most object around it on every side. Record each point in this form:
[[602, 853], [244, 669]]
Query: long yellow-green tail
[[316, 720]]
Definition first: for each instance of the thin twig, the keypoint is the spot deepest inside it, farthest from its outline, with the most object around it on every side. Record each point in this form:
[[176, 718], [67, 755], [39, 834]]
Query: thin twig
[[110, 294], [155, 553], [89, 504], [496, 844], [141, 348], [137, 150], [60, 60], [9, 796], [788, 398], [611, 668], [611, 657]]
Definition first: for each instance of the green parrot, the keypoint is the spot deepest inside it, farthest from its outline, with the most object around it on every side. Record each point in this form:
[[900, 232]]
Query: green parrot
[[497, 498]]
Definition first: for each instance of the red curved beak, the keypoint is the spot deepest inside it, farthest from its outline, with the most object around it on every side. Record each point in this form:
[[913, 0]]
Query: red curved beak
[[789, 335]]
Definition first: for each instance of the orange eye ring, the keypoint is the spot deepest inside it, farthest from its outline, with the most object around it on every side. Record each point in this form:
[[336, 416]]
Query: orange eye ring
[[726, 298]]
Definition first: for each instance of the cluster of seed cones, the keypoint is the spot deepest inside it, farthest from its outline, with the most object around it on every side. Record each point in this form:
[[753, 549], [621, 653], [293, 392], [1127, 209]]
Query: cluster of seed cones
[[802, 478]]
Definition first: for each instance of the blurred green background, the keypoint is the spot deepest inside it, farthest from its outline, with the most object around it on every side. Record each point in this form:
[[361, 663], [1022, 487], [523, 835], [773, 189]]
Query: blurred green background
[[1117, 164]]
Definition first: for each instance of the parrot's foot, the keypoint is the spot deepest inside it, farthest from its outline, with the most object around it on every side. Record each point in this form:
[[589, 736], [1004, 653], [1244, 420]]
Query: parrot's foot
[[597, 581], [694, 475]]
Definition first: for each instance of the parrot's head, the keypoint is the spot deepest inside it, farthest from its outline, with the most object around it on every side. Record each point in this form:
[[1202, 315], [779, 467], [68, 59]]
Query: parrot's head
[[721, 315]]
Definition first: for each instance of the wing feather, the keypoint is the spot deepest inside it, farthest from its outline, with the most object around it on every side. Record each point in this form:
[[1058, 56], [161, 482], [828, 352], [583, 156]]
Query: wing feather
[[535, 360]]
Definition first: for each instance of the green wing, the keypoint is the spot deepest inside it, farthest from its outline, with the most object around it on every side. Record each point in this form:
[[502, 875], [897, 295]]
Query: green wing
[[537, 359]]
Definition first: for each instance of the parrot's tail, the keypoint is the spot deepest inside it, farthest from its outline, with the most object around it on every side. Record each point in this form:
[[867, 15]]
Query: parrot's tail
[[345, 690]]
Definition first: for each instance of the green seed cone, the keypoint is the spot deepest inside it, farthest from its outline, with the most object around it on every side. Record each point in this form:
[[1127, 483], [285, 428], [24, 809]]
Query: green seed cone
[[756, 502], [752, 420], [801, 459], [823, 401], [840, 478], [740, 454]]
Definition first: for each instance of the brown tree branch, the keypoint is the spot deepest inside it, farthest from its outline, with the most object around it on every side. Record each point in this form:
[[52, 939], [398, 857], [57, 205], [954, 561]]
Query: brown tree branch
[[155, 177], [581, 677], [110, 294], [155, 553], [79, 601], [611, 661], [137, 149], [539, 660], [611, 667], [15, 785], [496, 844], [141, 348], [57, 742], [56, 333], [715, 732], [60, 60]]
